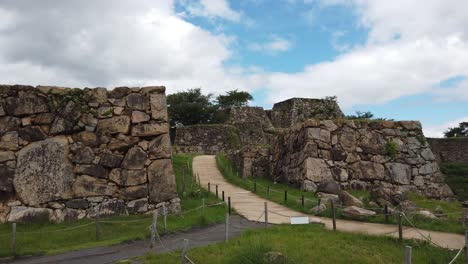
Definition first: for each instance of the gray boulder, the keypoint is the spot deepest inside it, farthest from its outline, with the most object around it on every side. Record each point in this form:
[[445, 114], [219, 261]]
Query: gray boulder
[[329, 186], [348, 200], [23, 214], [354, 211]]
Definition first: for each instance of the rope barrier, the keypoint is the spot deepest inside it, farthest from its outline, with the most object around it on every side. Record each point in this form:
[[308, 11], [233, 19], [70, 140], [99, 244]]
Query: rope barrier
[[417, 230], [56, 231], [9, 234], [456, 256]]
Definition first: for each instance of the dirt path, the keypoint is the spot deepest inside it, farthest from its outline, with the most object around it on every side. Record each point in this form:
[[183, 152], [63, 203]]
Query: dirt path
[[101, 255], [251, 207]]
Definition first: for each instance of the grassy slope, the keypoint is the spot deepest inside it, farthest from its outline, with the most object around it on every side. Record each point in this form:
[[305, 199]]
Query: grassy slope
[[452, 224], [44, 242], [309, 244], [457, 178]]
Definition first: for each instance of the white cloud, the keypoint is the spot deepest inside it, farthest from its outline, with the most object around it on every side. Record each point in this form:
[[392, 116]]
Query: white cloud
[[212, 9], [437, 131], [273, 46]]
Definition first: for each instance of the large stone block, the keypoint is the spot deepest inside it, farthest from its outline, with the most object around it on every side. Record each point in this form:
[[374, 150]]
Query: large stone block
[[114, 125], [158, 106], [160, 147], [128, 177], [368, 170], [137, 101], [6, 178], [85, 186], [22, 214], [26, 105], [399, 173], [8, 124], [162, 185], [317, 170], [43, 172], [32, 133], [135, 159], [148, 130]]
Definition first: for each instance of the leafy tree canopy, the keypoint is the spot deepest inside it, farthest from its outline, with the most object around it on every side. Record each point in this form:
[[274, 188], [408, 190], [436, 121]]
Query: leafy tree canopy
[[460, 131], [233, 98], [190, 107]]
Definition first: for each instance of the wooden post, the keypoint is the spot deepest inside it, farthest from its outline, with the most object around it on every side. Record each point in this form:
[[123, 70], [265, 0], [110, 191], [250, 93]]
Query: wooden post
[[217, 191], [184, 251], [400, 227], [319, 201], [183, 181], [222, 193], [285, 196], [165, 217], [386, 213], [227, 227], [209, 187], [255, 186], [303, 201], [333, 214], [464, 218], [97, 224], [154, 229], [203, 207], [407, 255], [13, 239], [268, 190], [229, 205], [266, 215]]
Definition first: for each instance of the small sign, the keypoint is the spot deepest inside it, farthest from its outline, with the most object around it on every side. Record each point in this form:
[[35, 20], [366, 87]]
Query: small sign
[[299, 220]]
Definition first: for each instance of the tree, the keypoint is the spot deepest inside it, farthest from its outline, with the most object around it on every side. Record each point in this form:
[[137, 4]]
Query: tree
[[361, 115], [233, 98], [460, 131], [190, 107]]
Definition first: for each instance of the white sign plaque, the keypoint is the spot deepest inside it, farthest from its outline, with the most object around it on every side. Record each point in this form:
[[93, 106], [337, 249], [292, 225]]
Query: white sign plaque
[[299, 220]]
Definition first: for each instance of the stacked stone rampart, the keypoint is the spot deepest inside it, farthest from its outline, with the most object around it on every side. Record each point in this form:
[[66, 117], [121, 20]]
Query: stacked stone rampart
[[207, 139], [73, 153], [454, 150]]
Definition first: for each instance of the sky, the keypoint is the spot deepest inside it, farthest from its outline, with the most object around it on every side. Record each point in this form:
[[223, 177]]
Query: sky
[[400, 59]]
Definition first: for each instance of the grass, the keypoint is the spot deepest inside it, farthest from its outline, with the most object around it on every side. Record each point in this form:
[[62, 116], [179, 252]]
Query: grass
[[457, 178], [303, 244], [451, 224], [33, 239]]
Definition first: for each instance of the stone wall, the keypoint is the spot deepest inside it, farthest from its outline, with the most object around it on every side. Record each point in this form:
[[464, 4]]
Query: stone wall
[[296, 110], [450, 149], [252, 123], [253, 161], [72, 153], [357, 155], [207, 139]]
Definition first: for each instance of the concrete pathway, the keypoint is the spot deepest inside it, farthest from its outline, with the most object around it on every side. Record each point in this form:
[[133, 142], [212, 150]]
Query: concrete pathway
[[198, 237], [251, 206]]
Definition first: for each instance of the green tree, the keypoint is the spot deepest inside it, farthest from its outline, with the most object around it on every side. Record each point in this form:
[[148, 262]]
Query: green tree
[[361, 115], [234, 98], [190, 107], [460, 131]]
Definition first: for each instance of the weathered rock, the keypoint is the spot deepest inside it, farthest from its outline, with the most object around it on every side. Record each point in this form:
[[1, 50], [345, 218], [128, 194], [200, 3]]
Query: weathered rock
[[139, 117], [7, 156], [274, 258], [87, 138], [348, 200], [158, 106], [148, 130], [84, 156], [22, 214], [317, 170], [385, 194], [6, 178], [32, 133], [162, 185], [8, 124], [111, 160], [426, 214], [77, 204], [329, 186], [439, 210], [160, 147], [44, 174], [318, 209], [122, 143], [113, 207], [26, 105], [135, 192], [9, 141], [367, 170], [85, 185], [137, 206], [105, 112], [309, 186], [137, 101], [354, 211], [128, 177], [399, 173], [326, 198], [114, 125], [135, 159], [97, 171], [67, 120]]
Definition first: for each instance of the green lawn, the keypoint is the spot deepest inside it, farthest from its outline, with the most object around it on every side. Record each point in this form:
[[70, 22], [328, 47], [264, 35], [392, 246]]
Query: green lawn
[[453, 209], [41, 238], [309, 244], [457, 178]]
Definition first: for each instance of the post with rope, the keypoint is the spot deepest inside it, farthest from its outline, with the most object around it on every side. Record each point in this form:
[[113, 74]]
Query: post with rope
[[217, 191], [227, 227], [209, 187], [165, 216], [255, 186], [229, 205], [222, 194], [466, 247], [464, 218], [386, 213], [13, 239], [302, 201], [184, 251], [333, 214], [96, 220], [407, 255], [153, 229], [400, 227], [266, 215], [285, 196], [268, 191]]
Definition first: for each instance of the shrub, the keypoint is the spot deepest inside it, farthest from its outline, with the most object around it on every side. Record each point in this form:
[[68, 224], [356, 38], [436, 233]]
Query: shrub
[[390, 149]]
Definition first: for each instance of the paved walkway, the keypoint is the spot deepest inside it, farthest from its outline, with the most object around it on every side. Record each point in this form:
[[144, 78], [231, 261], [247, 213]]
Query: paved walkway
[[102, 255], [251, 207]]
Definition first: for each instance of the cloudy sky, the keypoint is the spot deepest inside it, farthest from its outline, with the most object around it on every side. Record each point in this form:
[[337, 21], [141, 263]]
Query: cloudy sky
[[401, 59]]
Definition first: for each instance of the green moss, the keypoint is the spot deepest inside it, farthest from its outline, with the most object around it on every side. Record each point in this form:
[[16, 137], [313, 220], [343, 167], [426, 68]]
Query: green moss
[[391, 149], [79, 97]]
